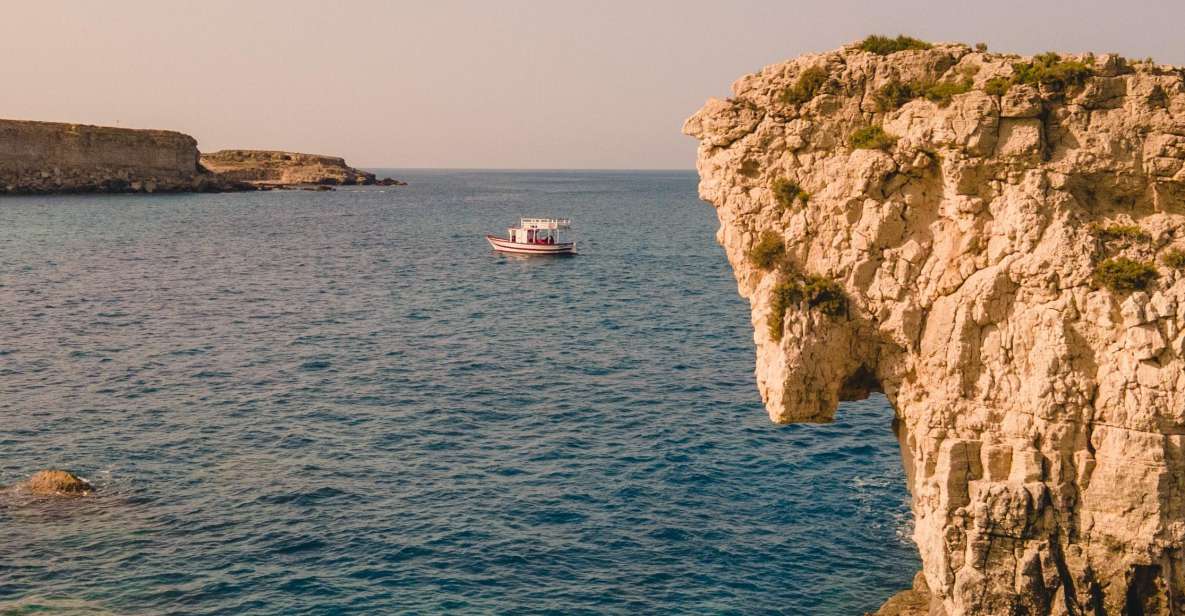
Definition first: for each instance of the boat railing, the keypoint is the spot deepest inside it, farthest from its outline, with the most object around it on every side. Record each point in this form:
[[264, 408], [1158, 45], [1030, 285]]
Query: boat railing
[[545, 223]]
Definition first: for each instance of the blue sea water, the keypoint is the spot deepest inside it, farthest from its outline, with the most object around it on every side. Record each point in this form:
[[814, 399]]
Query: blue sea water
[[345, 403]]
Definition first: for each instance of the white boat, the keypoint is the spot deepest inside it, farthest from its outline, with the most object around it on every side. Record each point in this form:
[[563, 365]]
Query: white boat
[[536, 236]]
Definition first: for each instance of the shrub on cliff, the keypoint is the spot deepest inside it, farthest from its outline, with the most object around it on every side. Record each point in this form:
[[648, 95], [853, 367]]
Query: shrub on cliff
[[894, 94], [819, 293], [872, 138], [1124, 275], [809, 82], [785, 294], [787, 191], [1174, 258], [1051, 71], [942, 92], [825, 295], [885, 45], [767, 253], [1112, 233], [997, 86]]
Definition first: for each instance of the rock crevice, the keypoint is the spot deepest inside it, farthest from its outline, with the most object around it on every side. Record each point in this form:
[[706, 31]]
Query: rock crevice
[[1003, 230]]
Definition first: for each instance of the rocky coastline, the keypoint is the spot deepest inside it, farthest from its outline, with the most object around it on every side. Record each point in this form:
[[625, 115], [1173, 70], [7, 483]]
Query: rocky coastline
[[276, 169], [51, 158], [996, 243]]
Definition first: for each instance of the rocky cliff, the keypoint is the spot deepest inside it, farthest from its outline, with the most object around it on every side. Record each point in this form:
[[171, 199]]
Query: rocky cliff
[[45, 157], [278, 169], [996, 243]]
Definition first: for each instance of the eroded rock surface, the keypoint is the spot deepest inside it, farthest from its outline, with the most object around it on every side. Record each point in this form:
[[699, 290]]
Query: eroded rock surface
[[1041, 413], [51, 157]]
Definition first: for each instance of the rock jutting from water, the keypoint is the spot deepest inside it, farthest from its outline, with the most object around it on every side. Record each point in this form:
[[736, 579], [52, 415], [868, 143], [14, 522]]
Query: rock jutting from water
[[56, 483], [274, 169], [995, 242]]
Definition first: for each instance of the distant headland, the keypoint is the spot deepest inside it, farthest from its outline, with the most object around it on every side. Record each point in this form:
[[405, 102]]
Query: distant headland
[[53, 157]]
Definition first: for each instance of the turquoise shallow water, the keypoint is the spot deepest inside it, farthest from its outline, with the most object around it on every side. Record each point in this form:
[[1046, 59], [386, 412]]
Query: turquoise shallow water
[[338, 403]]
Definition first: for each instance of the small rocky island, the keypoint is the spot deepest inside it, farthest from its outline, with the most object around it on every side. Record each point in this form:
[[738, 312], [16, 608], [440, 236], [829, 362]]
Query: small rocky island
[[51, 157], [996, 243], [273, 169]]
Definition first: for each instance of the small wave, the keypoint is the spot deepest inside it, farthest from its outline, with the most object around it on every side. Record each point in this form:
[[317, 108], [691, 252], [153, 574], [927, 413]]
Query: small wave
[[62, 607]]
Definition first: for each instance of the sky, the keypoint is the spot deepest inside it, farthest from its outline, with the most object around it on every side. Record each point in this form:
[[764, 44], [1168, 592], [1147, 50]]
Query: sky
[[505, 84]]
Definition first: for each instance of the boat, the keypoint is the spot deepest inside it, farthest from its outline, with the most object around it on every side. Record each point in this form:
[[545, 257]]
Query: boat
[[536, 236]]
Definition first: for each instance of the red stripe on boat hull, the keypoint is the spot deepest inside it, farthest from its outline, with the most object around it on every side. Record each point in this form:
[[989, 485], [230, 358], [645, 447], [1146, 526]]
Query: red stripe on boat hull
[[505, 245]]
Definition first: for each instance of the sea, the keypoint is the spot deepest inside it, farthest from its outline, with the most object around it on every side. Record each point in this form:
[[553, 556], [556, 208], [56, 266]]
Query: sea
[[345, 403]]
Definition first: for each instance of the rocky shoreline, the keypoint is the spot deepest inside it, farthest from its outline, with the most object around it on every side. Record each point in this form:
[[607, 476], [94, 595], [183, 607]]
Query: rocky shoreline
[[54, 158], [277, 169], [997, 244]]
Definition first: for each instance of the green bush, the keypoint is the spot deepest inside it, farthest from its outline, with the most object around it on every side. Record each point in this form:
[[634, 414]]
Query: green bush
[[1111, 233], [785, 294], [872, 138], [787, 191], [819, 293], [826, 295], [1174, 258], [884, 45], [894, 94], [1124, 275], [942, 92], [981, 47], [997, 86], [809, 82], [1049, 70], [768, 251]]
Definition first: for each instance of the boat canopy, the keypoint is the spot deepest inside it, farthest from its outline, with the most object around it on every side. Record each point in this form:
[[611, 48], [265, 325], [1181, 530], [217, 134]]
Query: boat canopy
[[544, 223]]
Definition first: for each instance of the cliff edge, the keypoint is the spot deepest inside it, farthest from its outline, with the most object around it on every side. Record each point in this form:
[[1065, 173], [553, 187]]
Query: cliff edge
[[52, 157], [996, 243]]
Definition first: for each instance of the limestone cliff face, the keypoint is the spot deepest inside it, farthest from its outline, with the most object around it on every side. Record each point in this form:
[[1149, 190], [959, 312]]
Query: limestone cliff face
[[1005, 271], [44, 157], [273, 168]]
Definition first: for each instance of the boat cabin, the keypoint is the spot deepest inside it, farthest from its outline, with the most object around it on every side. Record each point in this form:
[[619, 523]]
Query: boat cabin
[[540, 231]]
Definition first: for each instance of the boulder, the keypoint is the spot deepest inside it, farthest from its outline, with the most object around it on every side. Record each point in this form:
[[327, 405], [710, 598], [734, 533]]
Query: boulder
[[57, 483]]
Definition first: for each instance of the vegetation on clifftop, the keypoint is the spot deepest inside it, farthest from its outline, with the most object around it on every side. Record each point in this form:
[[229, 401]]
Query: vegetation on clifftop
[[1051, 71], [997, 86], [806, 87], [894, 94], [885, 45]]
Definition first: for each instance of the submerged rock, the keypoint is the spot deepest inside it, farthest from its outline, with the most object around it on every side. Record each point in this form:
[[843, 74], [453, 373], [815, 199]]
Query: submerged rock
[[912, 602], [57, 483], [996, 243]]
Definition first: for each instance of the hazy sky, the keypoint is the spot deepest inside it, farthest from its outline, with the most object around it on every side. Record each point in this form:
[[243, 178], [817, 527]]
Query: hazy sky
[[501, 84]]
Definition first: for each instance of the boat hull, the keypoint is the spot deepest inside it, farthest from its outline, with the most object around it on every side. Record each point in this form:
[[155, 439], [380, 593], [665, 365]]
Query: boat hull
[[502, 244]]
